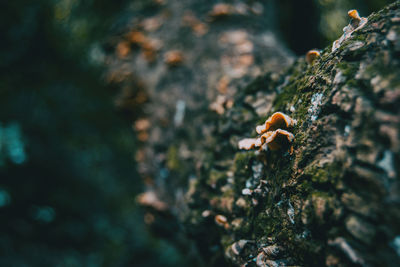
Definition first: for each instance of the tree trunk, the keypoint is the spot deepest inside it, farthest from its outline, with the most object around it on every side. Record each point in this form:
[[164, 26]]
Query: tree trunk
[[331, 197]]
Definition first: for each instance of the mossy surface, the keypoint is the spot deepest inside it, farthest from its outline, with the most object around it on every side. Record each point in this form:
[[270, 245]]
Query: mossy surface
[[295, 200]]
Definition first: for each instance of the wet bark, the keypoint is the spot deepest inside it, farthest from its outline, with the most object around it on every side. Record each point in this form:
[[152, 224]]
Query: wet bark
[[333, 200]]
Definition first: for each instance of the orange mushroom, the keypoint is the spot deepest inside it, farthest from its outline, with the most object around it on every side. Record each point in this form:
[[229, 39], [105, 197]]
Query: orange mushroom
[[273, 133], [354, 14], [278, 120], [355, 24], [311, 56], [276, 139]]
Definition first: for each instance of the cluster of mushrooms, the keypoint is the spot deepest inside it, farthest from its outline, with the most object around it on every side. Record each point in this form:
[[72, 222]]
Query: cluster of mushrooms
[[273, 133], [356, 23]]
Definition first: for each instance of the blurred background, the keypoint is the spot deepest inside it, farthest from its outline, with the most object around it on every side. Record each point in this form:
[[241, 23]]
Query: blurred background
[[68, 178]]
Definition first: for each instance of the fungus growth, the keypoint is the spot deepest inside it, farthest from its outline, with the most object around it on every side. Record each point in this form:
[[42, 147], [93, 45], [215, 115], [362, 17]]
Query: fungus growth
[[278, 120], [355, 24], [273, 133], [311, 56]]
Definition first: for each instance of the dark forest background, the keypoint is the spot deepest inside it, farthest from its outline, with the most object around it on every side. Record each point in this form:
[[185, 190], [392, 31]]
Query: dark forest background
[[68, 180]]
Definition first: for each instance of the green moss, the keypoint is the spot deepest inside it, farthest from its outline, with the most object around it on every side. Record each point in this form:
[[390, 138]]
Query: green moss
[[348, 69], [216, 178], [245, 229], [241, 162], [329, 173], [173, 162], [379, 67], [304, 187], [318, 175], [263, 82], [319, 194], [359, 37], [288, 96], [226, 241], [264, 225]]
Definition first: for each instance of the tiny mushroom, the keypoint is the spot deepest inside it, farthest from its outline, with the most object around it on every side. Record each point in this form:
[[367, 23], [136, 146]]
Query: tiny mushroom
[[275, 139], [311, 56], [355, 24], [278, 120], [356, 21], [354, 15], [273, 133]]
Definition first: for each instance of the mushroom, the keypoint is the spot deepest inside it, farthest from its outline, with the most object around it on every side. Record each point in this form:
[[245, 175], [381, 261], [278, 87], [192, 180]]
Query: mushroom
[[356, 21], [247, 143], [354, 15], [273, 133], [276, 139], [311, 56], [355, 24], [278, 120]]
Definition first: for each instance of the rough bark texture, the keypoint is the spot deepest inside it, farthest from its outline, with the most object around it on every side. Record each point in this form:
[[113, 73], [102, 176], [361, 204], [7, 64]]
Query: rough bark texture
[[333, 201]]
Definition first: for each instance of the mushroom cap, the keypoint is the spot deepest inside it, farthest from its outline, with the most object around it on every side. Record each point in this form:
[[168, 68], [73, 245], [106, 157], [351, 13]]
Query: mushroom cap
[[247, 143], [354, 14], [278, 120], [312, 55], [276, 139]]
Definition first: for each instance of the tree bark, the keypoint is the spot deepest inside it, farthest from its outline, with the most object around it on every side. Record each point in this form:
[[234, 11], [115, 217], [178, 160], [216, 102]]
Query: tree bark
[[333, 200]]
